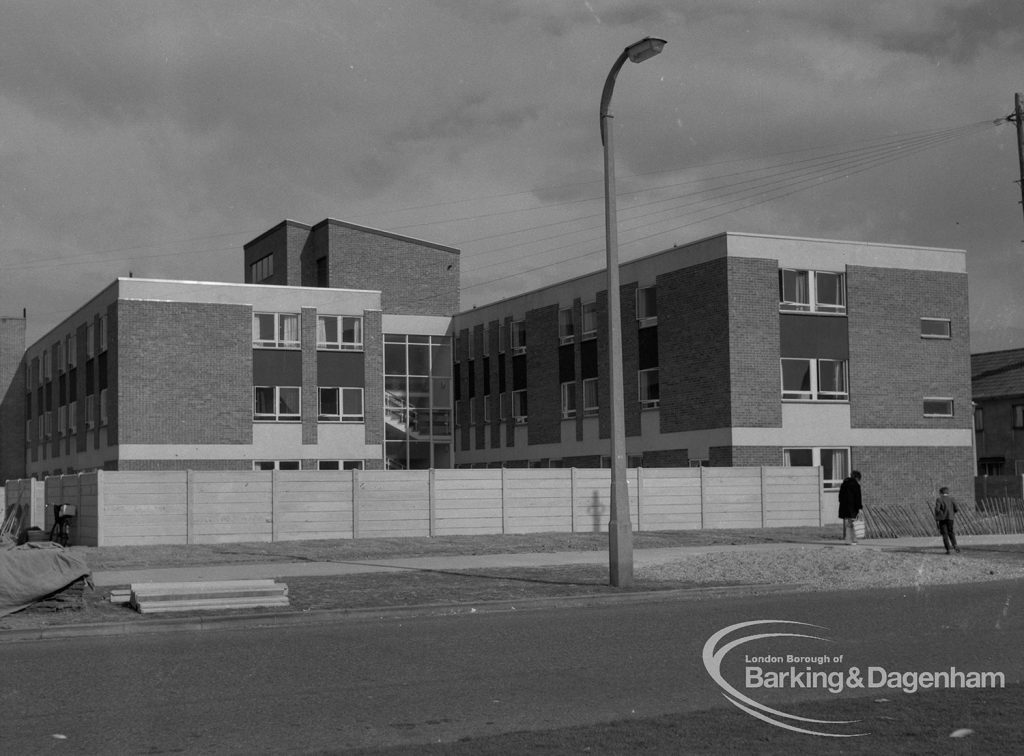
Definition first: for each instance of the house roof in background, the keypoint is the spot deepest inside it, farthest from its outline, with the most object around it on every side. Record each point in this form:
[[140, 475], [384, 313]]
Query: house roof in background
[[997, 373]]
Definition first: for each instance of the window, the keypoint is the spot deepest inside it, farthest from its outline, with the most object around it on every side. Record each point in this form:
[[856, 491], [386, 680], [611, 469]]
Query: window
[[101, 334], [72, 417], [277, 330], [62, 420], [649, 389], [1018, 416], [935, 328], [262, 269], [90, 340], [276, 464], [472, 412], [814, 379], [103, 406], [812, 291], [46, 365], [568, 400], [518, 336], [47, 424], [339, 332], [90, 413], [590, 320], [566, 330], [71, 347], [590, 406], [519, 407], [61, 365], [341, 404], [485, 341], [938, 407], [487, 408], [647, 306], [834, 463], [280, 403], [339, 464], [979, 419]]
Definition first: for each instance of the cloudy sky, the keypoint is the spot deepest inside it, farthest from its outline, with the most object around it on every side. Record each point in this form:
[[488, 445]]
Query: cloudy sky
[[159, 137]]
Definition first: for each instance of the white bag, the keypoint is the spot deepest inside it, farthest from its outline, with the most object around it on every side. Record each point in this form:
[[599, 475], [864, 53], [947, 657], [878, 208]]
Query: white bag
[[859, 529]]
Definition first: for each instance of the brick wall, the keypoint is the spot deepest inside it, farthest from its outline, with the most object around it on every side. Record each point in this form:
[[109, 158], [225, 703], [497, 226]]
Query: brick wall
[[186, 373], [413, 278], [892, 368], [12, 398], [544, 392], [693, 321], [373, 383], [310, 382], [754, 344], [912, 475]]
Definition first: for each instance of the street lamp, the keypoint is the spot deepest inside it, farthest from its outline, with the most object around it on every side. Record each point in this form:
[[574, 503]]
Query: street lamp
[[620, 530]]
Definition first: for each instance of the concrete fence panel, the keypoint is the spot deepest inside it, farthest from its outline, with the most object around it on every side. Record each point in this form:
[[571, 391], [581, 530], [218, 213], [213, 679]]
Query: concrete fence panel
[[230, 507], [392, 503], [312, 504], [121, 508], [141, 508], [467, 502], [537, 500], [671, 498], [732, 497], [791, 496]]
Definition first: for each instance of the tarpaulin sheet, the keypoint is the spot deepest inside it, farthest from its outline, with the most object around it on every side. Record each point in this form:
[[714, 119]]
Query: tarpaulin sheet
[[29, 573]]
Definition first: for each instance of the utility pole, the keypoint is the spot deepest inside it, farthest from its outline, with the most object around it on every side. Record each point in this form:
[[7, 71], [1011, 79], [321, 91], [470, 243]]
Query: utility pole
[[1018, 118]]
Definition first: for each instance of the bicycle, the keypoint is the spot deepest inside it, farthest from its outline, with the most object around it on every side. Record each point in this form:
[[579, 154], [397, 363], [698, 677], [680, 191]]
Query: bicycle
[[63, 515]]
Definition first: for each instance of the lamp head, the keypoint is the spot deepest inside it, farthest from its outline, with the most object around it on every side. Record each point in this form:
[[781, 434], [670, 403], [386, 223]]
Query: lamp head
[[646, 48]]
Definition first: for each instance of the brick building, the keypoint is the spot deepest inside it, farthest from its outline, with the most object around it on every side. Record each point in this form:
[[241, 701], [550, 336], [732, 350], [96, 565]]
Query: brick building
[[737, 350], [285, 371], [345, 347], [997, 380]]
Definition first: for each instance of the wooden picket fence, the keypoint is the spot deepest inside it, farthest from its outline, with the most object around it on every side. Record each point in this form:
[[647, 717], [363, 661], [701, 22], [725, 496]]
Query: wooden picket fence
[[992, 516]]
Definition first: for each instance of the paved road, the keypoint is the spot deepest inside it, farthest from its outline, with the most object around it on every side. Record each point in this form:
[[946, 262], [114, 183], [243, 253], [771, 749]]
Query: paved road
[[360, 683]]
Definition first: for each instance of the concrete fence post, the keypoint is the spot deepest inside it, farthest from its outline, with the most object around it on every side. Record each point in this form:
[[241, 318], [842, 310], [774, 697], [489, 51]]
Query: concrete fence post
[[190, 506], [355, 503], [274, 482], [572, 498], [764, 491], [504, 506], [703, 495], [639, 498], [431, 503]]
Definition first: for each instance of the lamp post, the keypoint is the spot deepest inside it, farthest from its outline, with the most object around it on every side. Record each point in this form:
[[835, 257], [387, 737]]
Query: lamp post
[[620, 530]]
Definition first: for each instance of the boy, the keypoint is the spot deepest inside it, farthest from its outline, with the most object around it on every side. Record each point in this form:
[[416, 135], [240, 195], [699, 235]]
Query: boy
[[945, 509]]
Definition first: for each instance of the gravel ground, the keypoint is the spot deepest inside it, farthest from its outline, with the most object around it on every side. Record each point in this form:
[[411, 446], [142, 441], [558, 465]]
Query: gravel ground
[[837, 567]]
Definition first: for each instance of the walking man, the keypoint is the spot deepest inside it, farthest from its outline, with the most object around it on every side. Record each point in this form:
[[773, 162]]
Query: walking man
[[850, 505], [945, 509]]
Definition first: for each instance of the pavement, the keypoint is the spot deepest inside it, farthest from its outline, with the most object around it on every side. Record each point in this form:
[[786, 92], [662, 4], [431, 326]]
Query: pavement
[[107, 579]]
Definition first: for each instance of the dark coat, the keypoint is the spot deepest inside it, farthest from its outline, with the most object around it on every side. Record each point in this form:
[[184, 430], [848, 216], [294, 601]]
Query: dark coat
[[849, 499], [945, 508]]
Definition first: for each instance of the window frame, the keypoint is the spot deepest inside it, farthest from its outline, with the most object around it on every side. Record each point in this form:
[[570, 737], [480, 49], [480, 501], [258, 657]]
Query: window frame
[[517, 336], [1017, 421], [645, 318], [340, 344], [589, 312], [941, 336], [566, 328], [947, 399], [568, 400], [264, 266], [519, 398], [814, 392], [341, 416], [278, 341], [813, 288], [827, 484], [590, 410], [277, 416], [648, 402]]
